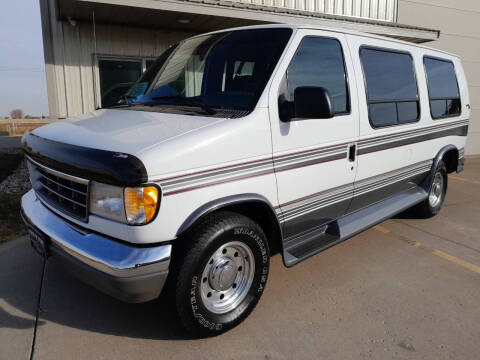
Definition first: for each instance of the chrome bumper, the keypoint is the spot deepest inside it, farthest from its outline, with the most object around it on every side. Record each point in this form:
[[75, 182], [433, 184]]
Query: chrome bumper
[[133, 274]]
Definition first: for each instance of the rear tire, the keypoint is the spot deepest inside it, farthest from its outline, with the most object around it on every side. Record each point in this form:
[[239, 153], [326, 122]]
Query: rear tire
[[438, 189], [220, 273]]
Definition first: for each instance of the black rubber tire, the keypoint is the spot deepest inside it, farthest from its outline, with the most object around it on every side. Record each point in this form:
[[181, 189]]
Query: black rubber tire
[[425, 210], [197, 246]]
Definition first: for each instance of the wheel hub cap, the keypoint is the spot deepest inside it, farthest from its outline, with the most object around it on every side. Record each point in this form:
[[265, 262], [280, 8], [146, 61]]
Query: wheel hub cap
[[222, 274], [436, 192], [227, 277]]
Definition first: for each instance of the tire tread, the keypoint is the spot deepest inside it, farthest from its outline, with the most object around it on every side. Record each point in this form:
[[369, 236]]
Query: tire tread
[[188, 253]]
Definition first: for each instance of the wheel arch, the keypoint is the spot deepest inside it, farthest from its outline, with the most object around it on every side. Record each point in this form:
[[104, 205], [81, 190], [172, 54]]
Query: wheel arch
[[450, 158], [449, 155], [255, 206]]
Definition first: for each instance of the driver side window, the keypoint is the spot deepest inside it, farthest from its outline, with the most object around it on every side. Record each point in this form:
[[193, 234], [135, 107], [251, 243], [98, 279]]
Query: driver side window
[[319, 62]]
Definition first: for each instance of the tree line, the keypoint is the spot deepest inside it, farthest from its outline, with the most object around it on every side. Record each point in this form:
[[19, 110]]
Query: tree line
[[19, 114]]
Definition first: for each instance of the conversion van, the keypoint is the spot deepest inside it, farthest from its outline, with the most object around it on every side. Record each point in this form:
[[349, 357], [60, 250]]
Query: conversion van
[[237, 144]]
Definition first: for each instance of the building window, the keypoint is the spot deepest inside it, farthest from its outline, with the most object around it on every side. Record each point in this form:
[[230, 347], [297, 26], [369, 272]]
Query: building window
[[117, 75], [391, 85], [443, 90], [319, 62]]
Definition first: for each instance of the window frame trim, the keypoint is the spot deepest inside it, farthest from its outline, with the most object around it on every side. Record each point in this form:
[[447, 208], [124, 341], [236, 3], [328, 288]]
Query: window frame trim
[[348, 110], [368, 102], [430, 99], [113, 57]]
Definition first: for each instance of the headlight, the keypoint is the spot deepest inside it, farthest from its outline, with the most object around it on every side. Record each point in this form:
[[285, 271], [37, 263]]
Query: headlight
[[131, 205], [107, 201], [141, 204]]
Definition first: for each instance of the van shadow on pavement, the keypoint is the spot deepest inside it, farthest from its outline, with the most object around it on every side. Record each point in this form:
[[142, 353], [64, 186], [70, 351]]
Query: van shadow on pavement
[[67, 301], [20, 278], [9, 321]]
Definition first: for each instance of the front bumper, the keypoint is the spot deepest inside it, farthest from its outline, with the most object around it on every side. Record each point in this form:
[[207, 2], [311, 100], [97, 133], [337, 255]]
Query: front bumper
[[129, 273]]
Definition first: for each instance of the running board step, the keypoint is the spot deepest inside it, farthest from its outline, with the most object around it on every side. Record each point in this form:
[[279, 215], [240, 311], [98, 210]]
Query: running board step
[[350, 225], [361, 220], [307, 248], [310, 243]]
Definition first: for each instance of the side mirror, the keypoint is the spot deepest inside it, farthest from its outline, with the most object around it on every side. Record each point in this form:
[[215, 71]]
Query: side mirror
[[312, 102]]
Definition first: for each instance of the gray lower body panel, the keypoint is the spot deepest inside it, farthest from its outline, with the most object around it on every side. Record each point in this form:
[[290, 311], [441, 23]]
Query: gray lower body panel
[[362, 201], [321, 238], [294, 228]]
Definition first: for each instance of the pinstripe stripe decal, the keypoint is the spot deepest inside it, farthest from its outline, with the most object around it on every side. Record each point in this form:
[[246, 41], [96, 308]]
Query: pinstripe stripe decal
[[458, 128], [240, 171], [216, 178], [200, 179], [302, 206]]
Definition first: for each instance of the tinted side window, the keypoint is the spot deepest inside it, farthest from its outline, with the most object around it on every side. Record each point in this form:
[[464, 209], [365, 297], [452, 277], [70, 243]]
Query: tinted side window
[[442, 88], [392, 92], [319, 62]]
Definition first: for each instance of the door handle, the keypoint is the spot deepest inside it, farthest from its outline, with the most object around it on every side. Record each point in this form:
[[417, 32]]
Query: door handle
[[352, 152]]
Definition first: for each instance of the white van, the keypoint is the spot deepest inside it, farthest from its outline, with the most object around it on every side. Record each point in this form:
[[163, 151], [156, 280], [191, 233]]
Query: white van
[[237, 144]]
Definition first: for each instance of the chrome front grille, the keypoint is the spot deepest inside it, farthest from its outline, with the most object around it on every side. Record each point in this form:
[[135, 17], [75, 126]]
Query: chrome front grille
[[63, 192]]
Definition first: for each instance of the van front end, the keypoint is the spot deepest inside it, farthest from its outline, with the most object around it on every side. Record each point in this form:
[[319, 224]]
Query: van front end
[[126, 272], [80, 209]]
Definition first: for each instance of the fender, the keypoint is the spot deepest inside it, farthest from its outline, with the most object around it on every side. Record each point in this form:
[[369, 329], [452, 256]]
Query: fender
[[426, 184], [228, 201]]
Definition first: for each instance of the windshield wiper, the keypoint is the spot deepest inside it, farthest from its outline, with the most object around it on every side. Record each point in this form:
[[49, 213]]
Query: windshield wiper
[[187, 101], [126, 99], [123, 100]]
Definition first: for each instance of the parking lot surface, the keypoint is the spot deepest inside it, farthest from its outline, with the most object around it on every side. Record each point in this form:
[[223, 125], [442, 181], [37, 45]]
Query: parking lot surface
[[406, 289]]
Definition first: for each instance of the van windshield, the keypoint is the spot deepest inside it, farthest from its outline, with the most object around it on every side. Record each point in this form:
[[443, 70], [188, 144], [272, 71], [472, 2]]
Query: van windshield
[[223, 71]]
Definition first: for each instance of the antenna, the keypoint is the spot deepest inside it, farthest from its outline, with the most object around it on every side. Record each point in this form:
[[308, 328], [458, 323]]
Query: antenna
[[95, 59], [94, 35]]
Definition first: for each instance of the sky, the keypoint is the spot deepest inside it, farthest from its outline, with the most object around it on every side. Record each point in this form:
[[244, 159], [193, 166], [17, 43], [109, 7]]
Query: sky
[[22, 67]]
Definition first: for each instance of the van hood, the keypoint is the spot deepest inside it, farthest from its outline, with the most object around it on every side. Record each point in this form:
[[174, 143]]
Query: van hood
[[124, 131], [104, 145]]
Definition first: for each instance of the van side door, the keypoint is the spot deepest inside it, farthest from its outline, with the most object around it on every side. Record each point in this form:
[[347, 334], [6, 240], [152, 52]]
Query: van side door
[[390, 117], [314, 159]]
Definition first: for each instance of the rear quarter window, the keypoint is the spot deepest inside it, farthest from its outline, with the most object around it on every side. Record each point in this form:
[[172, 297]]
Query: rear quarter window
[[443, 91], [391, 86]]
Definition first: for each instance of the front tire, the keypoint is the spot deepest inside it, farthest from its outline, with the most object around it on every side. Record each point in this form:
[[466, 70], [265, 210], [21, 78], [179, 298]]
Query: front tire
[[221, 273], [433, 203]]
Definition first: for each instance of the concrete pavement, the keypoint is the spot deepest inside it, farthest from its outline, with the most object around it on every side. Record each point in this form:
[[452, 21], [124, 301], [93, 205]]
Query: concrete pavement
[[405, 289], [20, 282]]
